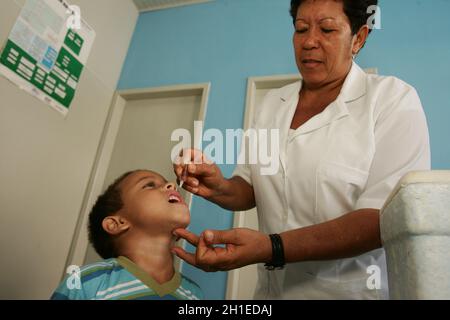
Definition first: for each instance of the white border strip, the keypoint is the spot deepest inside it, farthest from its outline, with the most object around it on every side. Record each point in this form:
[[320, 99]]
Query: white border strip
[[147, 8]]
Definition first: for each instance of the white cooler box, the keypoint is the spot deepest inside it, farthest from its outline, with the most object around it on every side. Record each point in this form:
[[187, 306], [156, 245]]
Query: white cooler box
[[415, 231]]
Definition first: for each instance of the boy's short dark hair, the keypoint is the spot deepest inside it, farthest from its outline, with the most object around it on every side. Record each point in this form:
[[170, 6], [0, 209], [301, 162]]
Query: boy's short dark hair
[[106, 205]]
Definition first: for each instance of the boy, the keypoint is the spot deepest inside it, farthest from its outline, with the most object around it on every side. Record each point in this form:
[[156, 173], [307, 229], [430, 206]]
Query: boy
[[131, 226]]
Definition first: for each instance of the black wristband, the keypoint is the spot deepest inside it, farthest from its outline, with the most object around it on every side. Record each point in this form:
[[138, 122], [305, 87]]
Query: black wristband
[[277, 261]]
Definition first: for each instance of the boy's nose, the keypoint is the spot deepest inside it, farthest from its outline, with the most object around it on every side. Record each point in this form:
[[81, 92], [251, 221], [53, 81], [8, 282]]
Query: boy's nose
[[171, 186]]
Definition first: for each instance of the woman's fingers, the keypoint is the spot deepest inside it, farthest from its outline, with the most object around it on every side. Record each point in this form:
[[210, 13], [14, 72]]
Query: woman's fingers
[[201, 169], [209, 257], [202, 250], [197, 259], [186, 256], [190, 237], [187, 156], [194, 161], [221, 237], [206, 257], [191, 182], [190, 189], [194, 240]]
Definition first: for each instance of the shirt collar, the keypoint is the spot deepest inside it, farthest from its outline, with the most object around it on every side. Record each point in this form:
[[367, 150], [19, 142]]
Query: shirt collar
[[354, 86], [160, 289]]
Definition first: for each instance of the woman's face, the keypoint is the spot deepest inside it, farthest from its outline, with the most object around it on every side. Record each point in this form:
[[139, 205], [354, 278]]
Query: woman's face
[[323, 42]]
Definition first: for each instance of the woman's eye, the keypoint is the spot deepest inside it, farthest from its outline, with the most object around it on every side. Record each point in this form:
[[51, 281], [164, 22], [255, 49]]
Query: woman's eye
[[301, 30], [327, 30]]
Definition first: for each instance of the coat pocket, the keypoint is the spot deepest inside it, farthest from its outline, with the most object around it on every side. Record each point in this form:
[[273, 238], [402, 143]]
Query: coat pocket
[[338, 188]]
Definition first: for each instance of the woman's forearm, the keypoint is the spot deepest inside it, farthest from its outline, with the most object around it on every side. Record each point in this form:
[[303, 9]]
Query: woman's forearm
[[348, 236]]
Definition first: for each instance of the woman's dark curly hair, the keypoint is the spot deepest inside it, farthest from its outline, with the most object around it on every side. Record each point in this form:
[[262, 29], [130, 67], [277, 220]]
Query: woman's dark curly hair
[[356, 11], [107, 204]]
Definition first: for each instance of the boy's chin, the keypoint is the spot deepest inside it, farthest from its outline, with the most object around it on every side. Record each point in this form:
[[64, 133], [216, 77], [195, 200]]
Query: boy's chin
[[183, 218], [183, 224], [181, 221]]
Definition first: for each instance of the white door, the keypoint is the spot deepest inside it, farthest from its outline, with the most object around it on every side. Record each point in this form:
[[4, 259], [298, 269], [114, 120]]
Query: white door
[[138, 136]]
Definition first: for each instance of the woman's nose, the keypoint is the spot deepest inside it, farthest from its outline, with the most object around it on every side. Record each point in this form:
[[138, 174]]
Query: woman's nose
[[311, 41]]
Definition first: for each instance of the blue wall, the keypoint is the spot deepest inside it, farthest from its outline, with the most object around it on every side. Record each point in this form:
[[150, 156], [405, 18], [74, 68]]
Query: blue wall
[[226, 41]]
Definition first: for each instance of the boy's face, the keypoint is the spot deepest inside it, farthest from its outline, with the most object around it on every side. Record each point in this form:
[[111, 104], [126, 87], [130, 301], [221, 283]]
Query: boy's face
[[152, 204]]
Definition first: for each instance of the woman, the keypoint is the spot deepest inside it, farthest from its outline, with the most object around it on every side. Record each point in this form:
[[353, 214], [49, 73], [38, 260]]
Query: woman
[[346, 138]]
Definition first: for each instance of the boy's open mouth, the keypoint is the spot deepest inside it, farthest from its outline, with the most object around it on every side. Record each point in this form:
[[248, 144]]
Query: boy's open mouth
[[175, 198]]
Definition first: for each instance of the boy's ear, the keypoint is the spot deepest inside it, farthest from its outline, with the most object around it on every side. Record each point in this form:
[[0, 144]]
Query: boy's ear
[[115, 225]]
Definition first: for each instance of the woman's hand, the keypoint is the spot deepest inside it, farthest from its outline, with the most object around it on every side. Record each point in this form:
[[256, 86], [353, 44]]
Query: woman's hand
[[242, 247], [204, 178], [200, 176]]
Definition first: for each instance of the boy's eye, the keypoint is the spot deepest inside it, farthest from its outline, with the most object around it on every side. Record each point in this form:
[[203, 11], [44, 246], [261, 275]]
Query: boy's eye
[[149, 185]]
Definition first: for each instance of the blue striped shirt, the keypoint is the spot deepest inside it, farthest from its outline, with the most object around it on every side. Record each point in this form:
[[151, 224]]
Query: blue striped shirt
[[121, 279]]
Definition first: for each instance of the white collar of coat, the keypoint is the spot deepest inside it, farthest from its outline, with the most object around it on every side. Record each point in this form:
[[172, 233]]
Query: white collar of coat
[[354, 86]]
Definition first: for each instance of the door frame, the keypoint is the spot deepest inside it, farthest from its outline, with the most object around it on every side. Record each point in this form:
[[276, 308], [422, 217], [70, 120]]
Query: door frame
[[80, 242], [253, 84]]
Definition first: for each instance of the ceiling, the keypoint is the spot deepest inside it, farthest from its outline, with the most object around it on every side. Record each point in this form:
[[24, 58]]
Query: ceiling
[[151, 5]]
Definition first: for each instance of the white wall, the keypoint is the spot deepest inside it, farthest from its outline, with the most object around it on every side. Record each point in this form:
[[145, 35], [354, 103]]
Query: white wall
[[46, 160]]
